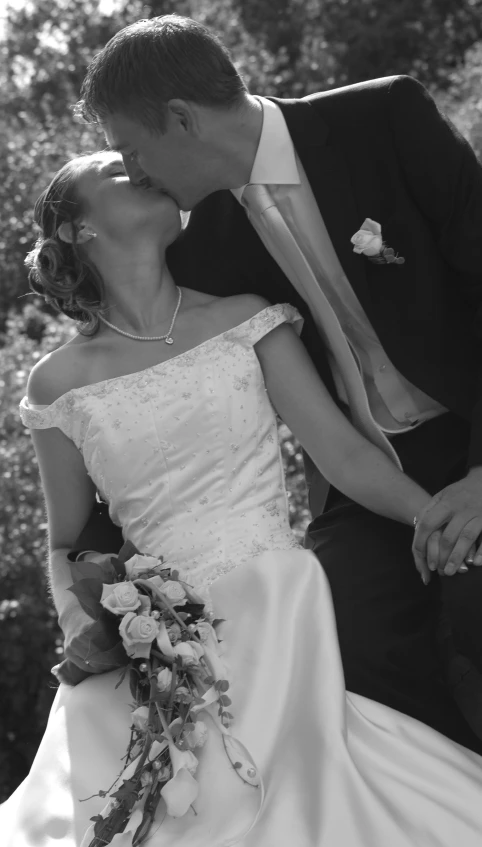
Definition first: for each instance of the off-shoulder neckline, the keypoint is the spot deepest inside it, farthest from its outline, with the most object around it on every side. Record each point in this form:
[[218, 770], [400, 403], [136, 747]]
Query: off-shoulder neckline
[[152, 368]]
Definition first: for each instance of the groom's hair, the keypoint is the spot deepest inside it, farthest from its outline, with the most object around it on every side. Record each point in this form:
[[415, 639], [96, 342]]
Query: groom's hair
[[153, 61]]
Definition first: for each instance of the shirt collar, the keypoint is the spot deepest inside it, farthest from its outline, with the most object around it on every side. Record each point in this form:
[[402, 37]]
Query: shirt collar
[[275, 162]]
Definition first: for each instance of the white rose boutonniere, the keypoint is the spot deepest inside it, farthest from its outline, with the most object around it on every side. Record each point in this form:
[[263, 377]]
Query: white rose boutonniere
[[368, 241]]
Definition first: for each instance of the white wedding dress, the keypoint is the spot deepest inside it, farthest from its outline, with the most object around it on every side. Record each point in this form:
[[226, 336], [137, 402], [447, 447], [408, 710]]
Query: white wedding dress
[[186, 454]]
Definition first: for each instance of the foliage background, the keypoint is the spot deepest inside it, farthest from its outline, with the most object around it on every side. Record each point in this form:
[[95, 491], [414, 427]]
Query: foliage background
[[282, 47]]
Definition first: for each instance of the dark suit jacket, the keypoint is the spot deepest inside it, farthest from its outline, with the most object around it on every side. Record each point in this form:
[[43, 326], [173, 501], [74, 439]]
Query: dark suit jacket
[[382, 150], [379, 149]]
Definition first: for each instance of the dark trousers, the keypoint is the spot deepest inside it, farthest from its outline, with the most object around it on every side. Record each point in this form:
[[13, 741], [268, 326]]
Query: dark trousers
[[387, 619]]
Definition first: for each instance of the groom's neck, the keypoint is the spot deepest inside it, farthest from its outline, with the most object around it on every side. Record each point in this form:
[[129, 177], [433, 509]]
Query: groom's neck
[[234, 137]]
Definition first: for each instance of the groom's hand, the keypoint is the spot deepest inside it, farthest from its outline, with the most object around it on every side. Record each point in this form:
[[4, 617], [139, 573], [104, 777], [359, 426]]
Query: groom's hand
[[450, 525]]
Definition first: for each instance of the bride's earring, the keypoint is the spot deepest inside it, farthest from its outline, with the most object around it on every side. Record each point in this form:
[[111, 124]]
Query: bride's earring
[[66, 232]]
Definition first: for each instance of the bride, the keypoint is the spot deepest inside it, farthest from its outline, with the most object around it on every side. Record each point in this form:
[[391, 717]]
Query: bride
[[166, 404]]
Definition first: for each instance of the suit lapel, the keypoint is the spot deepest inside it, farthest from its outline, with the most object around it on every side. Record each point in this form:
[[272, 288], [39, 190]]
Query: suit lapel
[[330, 182]]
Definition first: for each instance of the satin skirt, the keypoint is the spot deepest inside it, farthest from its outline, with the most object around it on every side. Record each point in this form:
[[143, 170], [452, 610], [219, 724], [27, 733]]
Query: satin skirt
[[338, 770]]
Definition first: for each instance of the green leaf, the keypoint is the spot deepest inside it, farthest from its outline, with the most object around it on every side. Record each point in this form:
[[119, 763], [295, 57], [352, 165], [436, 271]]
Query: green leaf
[[126, 552], [86, 570], [108, 660], [221, 685], [119, 568], [225, 700], [127, 791], [88, 593]]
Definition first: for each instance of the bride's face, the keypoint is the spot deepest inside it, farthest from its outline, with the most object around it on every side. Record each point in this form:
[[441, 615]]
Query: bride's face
[[123, 212]]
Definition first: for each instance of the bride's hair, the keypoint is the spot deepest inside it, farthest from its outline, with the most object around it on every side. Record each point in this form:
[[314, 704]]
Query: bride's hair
[[61, 272]]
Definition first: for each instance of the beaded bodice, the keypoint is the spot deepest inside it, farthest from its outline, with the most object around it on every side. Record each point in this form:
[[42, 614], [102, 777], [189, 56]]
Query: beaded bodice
[[186, 452]]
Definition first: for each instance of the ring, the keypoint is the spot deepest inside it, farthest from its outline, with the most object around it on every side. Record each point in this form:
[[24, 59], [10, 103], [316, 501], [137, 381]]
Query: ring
[[415, 521]]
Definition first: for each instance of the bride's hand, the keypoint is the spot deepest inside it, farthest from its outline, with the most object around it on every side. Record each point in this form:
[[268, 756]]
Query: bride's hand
[[427, 552]]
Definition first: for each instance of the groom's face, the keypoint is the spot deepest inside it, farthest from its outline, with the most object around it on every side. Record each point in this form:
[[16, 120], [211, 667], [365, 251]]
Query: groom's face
[[169, 161]]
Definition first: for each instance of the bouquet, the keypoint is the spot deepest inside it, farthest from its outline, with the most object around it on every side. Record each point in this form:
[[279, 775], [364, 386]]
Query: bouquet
[[172, 656]]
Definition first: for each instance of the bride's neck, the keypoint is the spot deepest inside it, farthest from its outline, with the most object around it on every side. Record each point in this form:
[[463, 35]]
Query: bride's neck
[[140, 293]]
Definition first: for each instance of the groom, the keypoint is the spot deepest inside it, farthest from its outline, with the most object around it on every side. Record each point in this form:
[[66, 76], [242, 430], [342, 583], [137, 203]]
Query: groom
[[279, 191]]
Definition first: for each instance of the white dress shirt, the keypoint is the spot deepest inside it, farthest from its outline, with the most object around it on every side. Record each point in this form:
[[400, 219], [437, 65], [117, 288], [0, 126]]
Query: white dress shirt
[[395, 404]]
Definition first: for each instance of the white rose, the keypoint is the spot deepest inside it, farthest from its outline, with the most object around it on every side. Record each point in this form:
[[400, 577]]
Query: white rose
[[140, 717], [187, 652], [120, 598], [368, 240], [138, 564], [137, 633], [173, 591], [198, 736], [164, 679]]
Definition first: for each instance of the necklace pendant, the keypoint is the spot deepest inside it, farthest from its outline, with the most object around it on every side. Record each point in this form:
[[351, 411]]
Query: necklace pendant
[[169, 340]]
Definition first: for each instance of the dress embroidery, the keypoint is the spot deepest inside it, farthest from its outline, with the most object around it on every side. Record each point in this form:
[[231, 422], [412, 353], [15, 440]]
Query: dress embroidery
[[185, 452]]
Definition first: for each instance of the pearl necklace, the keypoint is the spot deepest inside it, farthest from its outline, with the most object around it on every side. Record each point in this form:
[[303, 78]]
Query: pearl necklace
[[167, 337]]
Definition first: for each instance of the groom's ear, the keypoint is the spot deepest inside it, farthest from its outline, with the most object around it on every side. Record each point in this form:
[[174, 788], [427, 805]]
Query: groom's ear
[[182, 116]]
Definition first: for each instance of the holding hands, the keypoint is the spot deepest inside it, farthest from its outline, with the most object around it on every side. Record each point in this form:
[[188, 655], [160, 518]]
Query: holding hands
[[448, 529]]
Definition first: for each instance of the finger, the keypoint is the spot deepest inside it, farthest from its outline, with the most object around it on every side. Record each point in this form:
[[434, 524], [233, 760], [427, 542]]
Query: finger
[[455, 533], [433, 517], [469, 559], [433, 545], [478, 555], [421, 566], [467, 537]]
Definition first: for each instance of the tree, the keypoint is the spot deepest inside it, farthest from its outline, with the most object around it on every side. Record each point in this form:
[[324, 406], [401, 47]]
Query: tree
[[346, 41]]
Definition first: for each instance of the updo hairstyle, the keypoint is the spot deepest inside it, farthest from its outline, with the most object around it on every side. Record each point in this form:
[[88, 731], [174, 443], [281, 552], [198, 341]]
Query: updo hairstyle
[[61, 272]]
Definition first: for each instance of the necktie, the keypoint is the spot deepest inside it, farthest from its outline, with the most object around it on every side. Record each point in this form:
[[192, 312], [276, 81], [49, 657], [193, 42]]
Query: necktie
[[280, 242]]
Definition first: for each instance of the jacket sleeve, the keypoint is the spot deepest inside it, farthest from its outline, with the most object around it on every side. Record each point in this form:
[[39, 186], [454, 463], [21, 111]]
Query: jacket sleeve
[[444, 178]]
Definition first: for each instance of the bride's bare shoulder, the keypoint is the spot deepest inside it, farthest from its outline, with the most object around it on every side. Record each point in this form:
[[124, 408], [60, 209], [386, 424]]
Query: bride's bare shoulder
[[232, 311], [58, 372]]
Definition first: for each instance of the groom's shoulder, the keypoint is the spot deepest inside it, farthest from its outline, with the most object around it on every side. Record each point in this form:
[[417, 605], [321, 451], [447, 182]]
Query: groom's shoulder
[[370, 96]]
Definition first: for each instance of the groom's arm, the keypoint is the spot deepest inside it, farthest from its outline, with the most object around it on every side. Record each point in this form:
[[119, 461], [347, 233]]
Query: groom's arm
[[444, 178]]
